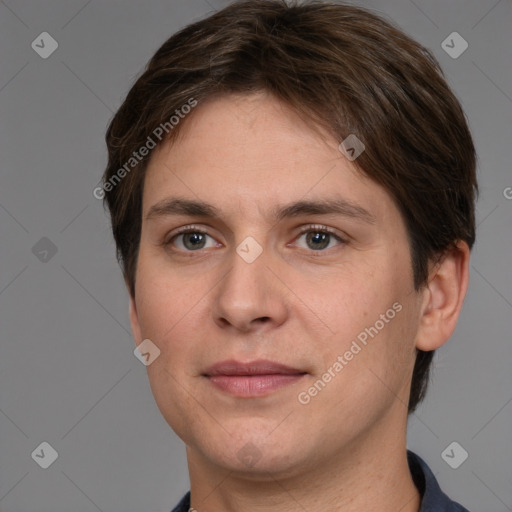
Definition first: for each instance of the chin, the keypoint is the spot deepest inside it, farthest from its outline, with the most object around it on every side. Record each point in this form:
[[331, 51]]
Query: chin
[[255, 455]]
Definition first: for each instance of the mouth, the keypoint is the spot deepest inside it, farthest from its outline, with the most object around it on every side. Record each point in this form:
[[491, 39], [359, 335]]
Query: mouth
[[252, 379]]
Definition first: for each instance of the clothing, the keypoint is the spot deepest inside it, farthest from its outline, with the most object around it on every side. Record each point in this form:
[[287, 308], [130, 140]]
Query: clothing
[[433, 498]]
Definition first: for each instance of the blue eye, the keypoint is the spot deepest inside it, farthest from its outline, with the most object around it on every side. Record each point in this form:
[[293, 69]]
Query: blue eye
[[191, 240]]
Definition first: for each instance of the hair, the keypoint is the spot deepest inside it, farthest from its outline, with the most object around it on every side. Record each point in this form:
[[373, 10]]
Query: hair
[[340, 67]]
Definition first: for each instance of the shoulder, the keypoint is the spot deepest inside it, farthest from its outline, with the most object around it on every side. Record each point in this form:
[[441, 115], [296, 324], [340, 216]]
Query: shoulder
[[433, 498], [183, 505]]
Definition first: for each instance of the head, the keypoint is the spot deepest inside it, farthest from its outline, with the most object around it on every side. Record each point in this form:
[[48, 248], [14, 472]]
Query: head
[[243, 113]]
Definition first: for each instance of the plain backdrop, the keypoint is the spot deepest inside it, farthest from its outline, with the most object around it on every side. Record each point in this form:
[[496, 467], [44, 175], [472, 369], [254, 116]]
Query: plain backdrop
[[68, 375]]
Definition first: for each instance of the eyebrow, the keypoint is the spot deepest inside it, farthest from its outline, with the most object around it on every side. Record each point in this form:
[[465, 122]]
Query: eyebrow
[[188, 207]]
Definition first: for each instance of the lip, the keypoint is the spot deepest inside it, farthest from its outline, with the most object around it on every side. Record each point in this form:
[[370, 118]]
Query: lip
[[252, 379]]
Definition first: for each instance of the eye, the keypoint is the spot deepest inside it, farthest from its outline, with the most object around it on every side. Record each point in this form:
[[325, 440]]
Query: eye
[[191, 239], [318, 238]]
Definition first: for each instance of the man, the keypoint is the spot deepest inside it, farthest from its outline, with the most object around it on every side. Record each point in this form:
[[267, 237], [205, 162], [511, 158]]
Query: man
[[292, 197]]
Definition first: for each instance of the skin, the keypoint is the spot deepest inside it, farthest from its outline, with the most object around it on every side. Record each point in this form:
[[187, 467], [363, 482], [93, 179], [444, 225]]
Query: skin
[[294, 304]]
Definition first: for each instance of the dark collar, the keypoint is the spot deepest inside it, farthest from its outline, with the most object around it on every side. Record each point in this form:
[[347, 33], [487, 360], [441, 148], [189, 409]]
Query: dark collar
[[433, 498]]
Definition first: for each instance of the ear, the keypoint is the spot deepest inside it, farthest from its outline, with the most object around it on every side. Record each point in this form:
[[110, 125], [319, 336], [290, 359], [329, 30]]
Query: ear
[[444, 296], [134, 321]]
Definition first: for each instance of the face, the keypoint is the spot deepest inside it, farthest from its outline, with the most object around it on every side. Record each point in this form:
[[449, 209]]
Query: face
[[276, 281]]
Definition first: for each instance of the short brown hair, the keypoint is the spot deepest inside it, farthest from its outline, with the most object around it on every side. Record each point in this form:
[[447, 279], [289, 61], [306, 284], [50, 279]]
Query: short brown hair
[[341, 67]]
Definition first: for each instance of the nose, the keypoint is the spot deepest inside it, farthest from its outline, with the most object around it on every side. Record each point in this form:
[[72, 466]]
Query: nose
[[249, 297]]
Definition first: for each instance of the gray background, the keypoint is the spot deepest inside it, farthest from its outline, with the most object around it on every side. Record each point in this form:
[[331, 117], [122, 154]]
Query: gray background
[[68, 375]]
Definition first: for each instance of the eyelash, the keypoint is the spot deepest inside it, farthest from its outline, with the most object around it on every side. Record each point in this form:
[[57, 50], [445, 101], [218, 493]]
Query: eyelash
[[311, 228], [318, 228], [183, 231]]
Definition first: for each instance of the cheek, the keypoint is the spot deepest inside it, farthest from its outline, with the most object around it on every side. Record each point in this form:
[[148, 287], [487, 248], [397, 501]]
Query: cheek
[[167, 311], [371, 321], [168, 314], [163, 300], [351, 299]]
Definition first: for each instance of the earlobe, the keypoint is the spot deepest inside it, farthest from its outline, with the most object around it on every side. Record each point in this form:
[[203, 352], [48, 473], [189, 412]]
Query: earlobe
[[444, 296]]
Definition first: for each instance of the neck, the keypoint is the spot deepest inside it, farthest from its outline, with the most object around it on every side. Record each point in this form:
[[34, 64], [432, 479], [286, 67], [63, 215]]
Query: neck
[[371, 474]]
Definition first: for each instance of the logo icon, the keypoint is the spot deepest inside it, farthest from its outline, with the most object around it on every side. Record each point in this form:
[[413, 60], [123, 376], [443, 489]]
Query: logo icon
[[249, 454], [454, 455], [454, 45], [351, 147], [44, 45], [249, 249], [45, 455], [44, 250], [146, 352]]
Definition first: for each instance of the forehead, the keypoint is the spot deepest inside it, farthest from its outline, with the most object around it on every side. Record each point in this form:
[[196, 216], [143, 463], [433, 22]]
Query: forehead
[[244, 130], [252, 153]]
